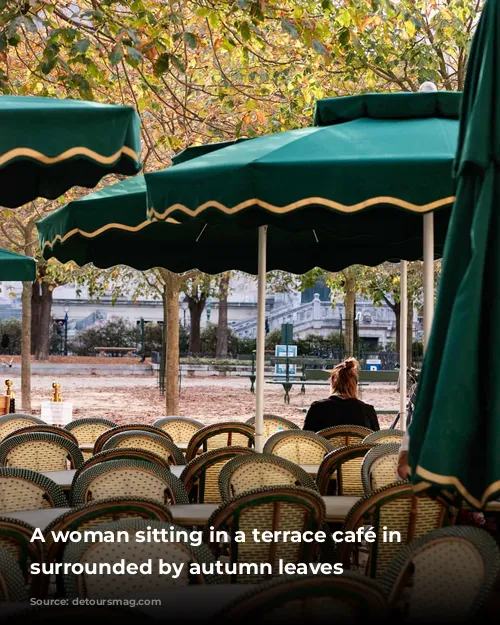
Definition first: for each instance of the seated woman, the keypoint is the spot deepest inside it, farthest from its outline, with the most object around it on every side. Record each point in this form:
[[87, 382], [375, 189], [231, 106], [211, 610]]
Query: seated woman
[[343, 406]]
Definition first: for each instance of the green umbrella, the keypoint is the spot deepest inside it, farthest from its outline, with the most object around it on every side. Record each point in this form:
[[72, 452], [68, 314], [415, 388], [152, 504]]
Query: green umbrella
[[455, 433], [48, 146], [16, 267], [352, 191]]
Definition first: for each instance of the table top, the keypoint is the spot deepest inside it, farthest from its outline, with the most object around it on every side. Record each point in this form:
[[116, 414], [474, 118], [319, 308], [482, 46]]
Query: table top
[[183, 514], [64, 479], [90, 446]]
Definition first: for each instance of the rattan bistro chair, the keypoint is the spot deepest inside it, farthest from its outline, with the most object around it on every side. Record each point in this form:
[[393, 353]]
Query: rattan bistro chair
[[105, 436], [274, 423], [443, 577], [226, 434], [112, 586], [149, 441], [384, 436], [40, 451], [12, 585], [347, 598], [344, 465], [21, 489], [398, 509], [15, 537], [181, 429], [131, 478], [91, 515], [201, 475], [50, 429], [11, 422], [88, 430], [299, 446], [122, 454], [342, 435], [379, 467], [244, 473], [272, 508]]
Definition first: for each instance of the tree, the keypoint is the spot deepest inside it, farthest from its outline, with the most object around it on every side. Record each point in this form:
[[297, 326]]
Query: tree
[[196, 290], [222, 329]]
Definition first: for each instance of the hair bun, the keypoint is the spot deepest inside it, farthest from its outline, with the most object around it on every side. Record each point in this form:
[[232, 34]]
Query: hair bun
[[351, 363]]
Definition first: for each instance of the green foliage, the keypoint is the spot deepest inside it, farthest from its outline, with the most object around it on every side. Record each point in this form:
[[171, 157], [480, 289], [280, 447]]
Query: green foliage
[[209, 340], [116, 332], [10, 334], [273, 339], [313, 344]]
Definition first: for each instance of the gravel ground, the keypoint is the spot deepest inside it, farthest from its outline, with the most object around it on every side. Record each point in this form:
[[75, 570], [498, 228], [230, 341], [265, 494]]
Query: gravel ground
[[137, 399]]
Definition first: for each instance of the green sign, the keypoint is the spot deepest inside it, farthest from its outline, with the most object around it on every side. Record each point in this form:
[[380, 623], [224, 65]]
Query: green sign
[[287, 333]]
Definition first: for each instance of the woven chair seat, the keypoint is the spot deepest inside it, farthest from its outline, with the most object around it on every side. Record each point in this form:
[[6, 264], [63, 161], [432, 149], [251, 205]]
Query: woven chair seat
[[88, 430], [11, 422], [131, 478], [274, 423], [444, 577], [21, 489], [244, 473], [379, 467], [111, 586], [181, 429], [343, 464], [40, 451], [148, 441], [12, 584], [384, 436], [217, 435], [118, 429], [343, 435], [301, 447]]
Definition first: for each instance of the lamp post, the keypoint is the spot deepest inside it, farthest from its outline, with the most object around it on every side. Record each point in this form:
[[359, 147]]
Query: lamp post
[[66, 311]]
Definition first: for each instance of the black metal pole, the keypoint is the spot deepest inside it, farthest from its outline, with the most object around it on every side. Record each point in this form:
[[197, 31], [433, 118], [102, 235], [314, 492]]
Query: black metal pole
[[66, 334]]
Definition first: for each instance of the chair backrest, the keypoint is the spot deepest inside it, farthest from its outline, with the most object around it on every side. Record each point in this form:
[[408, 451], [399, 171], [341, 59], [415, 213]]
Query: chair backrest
[[113, 585], [91, 515], [346, 598], [343, 435], [244, 473], [122, 454], [40, 451], [12, 584], [89, 429], [272, 508], [21, 489], [301, 447], [15, 537], [379, 467], [50, 429], [444, 577], [274, 423], [131, 478], [181, 429], [384, 436], [11, 422], [118, 429], [225, 434], [344, 465], [149, 441], [399, 509], [201, 475]]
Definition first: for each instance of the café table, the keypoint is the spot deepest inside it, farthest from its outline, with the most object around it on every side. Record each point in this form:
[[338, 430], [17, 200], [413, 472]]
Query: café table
[[194, 514]]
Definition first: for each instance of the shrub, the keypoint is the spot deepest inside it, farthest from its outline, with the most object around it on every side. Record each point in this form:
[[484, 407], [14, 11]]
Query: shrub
[[10, 336], [116, 332]]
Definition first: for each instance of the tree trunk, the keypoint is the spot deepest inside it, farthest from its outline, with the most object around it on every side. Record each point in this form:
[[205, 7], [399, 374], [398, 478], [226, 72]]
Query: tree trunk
[[26, 346], [44, 319], [196, 307], [396, 309], [349, 304], [172, 340], [222, 330]]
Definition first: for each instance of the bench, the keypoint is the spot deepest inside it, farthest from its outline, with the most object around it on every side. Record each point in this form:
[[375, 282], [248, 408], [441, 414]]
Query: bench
[[115, 351], [364, 376], [288, 385]]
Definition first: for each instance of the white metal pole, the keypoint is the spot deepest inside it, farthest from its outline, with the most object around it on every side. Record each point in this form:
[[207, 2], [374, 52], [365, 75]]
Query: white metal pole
[[261, 340], [428, 276], [403, 344]]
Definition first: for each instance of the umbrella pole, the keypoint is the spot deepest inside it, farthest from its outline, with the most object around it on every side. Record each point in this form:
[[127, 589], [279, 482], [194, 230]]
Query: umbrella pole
[[403, 343], [428, 276], [261, 339]]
